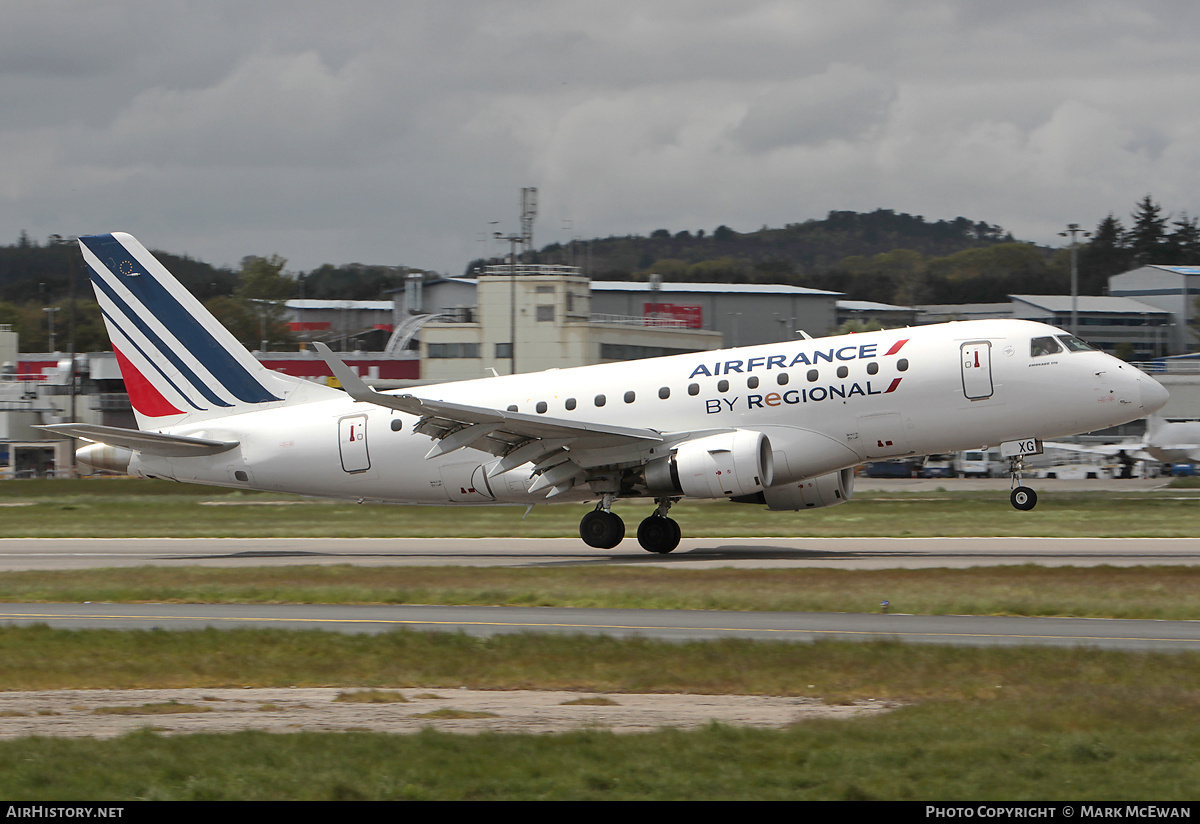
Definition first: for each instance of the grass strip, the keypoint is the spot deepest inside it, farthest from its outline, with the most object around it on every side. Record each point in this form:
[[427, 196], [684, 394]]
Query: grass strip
[[1010, 723], [40, 657], [1156, 592]]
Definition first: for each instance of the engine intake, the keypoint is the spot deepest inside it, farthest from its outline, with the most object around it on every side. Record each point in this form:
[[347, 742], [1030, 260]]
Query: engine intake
[[726, 465]]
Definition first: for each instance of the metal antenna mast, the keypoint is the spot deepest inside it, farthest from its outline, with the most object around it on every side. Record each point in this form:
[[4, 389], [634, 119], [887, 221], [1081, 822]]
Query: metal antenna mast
[[528, 213]]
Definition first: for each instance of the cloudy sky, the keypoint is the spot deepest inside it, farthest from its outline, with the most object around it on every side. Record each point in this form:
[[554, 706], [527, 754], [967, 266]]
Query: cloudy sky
[[401, 131]]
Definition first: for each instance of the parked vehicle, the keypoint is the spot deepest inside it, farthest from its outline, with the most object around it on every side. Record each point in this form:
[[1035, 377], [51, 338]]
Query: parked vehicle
[[981, 463], [940, 466], [1075, 472], [896, 468]]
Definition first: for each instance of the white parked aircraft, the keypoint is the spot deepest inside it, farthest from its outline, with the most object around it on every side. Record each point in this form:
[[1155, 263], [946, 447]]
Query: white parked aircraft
[[780, 425], [1165, 441]]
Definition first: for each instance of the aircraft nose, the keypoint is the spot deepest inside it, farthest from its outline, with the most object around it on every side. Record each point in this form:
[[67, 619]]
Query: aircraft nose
[[1154, 395]]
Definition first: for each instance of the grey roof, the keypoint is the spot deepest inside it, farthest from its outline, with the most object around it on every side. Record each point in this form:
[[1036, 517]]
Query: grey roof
[[966, 309], [721, 288], [312, 303], [1090, 303], [871, 306], [1180, 270]]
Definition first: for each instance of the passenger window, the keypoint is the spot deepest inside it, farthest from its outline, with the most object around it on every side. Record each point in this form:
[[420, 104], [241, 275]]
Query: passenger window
[[752, 382], [541, 407], [782, 379], [601, 400], [872, 368], [1039, 347], [812, 375], [512, 407], [664, 392], [570, 404], [630, 397], [842, 371], [693, 389], [902, 364], [722, 386]]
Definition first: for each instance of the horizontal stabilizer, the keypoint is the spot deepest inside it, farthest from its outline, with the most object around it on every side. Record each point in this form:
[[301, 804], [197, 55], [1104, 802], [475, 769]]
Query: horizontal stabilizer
[[152, 443]]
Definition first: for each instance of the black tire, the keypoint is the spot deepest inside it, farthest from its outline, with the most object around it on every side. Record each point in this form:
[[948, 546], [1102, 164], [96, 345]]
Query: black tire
[[1023, 498], [659, 534], [602, 530]]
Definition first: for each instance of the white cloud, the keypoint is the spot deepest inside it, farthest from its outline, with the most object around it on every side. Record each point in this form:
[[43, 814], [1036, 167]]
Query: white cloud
[[396, 132]]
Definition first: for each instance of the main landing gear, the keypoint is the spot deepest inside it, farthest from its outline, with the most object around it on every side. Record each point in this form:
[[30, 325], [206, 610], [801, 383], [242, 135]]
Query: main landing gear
[[603, 529], [1022, 497], [658, 533]]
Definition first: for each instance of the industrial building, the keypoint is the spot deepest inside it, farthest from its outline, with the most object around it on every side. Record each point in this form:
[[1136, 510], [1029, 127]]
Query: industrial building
[[1171, 288]]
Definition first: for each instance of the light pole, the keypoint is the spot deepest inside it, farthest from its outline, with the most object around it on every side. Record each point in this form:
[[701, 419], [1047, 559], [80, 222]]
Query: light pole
[[70, 244], [1073, 230], [512, 297]]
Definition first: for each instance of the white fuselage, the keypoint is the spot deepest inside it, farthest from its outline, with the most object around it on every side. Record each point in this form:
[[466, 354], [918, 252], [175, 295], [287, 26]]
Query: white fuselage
[[825, 404]]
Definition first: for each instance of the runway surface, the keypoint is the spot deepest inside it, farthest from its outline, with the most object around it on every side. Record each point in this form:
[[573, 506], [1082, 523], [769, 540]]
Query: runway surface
[[842, 553]]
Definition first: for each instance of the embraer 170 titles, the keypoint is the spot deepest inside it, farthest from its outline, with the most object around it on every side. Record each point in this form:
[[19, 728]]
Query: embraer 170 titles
[[781, 425]]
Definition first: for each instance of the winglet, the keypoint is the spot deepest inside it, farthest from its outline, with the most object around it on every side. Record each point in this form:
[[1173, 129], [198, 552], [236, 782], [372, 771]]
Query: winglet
[[354, 385]]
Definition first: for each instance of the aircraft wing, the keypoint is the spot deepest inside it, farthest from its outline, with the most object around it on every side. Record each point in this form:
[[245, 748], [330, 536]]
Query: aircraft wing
[[1137, 451], [1100, 449], [515, 437], [153, 443]]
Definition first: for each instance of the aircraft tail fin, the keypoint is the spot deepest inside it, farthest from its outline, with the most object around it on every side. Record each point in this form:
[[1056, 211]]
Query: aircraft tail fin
[[1154, 423], [178, 362]]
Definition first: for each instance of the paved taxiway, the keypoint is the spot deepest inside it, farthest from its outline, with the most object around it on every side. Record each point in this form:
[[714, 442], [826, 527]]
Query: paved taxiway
[[670, 625]]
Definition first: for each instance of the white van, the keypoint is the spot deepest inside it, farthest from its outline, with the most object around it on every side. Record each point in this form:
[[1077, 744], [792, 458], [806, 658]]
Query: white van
[[980, 463]]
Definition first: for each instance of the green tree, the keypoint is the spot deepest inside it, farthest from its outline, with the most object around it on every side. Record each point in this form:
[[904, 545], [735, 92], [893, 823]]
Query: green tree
[[1105, 255], [1185, 240], [256, 313], [1147, 237]]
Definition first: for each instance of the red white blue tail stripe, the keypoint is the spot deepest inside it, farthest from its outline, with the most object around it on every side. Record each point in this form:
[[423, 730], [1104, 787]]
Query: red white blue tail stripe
[[175, 358]]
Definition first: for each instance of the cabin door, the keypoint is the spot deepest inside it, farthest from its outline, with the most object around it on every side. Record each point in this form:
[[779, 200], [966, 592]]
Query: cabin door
[[977, 369]]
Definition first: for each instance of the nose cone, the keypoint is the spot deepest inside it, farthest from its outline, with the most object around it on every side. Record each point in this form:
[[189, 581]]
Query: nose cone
[[1154, 395]]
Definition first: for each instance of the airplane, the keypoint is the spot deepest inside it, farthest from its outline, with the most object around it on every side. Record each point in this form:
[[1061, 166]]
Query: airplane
[[1164, 441], [781, 425]]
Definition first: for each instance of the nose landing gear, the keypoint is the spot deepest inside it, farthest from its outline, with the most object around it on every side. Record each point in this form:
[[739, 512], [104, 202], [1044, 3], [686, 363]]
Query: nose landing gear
[[1022, 497]]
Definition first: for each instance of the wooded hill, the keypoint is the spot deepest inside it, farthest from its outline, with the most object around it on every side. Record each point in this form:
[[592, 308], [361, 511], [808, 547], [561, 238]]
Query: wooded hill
[[885, 256]]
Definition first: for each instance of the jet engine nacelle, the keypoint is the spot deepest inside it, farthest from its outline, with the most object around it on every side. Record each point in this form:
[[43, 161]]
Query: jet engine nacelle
[[810, 493], [716, 466], [105, 458]]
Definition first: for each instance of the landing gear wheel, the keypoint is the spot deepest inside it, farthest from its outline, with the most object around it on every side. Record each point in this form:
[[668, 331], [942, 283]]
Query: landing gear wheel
[[1023, 498], [602, 530], [659, 533]]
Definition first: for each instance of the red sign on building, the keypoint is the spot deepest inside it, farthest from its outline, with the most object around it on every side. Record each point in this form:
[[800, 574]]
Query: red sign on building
[[691, 317]]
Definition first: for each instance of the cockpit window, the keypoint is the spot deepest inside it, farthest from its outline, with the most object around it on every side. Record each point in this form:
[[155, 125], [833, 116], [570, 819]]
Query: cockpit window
[[1074, 344], [1043, 346]]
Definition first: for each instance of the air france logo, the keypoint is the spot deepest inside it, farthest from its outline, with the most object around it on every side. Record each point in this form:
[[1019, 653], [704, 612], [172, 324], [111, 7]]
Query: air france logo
[[769, 362], [810, 394]]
